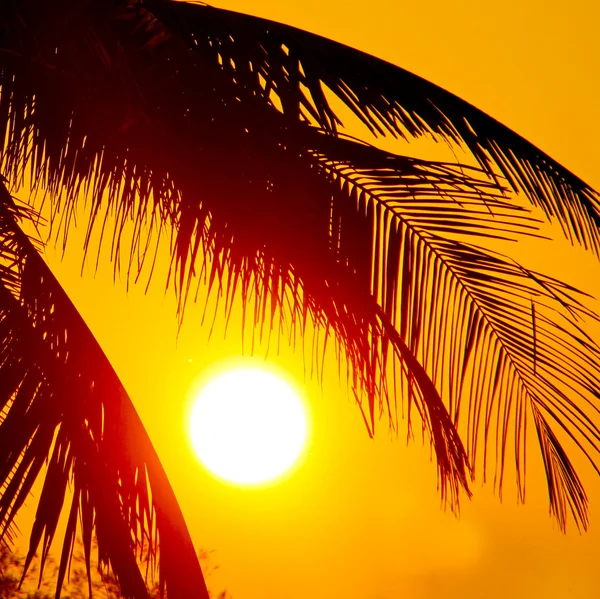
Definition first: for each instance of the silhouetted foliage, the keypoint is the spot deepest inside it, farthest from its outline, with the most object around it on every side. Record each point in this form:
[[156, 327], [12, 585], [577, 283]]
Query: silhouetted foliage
[[103, 583], [212, 135]]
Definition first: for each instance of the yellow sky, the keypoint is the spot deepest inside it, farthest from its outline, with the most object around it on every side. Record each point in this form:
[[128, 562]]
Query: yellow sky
[[362, 518]]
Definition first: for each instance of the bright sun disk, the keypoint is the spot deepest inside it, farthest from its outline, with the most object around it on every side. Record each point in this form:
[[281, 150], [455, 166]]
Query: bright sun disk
[[248, 426]]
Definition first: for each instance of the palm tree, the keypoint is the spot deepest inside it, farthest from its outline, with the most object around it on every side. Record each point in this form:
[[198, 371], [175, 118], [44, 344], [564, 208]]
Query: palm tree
[[217, 130]]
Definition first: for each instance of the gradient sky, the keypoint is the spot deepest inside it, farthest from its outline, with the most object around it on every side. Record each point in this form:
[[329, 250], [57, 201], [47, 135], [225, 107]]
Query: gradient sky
[[361, 518]]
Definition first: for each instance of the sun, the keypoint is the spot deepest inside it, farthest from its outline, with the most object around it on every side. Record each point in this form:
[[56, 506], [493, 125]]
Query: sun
[[248, 425]]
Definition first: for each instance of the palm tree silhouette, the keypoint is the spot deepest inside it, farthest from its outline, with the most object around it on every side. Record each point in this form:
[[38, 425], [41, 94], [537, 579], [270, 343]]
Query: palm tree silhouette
[[217, 131]]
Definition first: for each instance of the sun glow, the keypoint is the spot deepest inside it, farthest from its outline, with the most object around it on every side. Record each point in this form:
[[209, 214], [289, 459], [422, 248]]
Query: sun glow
[[248, 425]]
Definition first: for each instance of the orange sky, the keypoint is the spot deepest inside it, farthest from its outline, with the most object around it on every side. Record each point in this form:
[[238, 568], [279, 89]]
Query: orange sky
[[361, 518]]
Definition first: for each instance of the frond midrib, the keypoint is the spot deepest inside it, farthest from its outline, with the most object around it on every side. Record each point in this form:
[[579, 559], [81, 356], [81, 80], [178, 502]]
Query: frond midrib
[[426, 237]]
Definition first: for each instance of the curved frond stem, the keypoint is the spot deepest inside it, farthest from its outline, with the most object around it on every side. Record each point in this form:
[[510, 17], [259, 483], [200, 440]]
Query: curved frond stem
[[61, 392], [474, 286], [270, 58]]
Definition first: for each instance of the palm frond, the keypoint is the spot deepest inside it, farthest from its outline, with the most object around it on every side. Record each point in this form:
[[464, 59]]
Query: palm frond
[[500, 343], [160, 113], [271, 59], [389, 266], [64, 405]]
